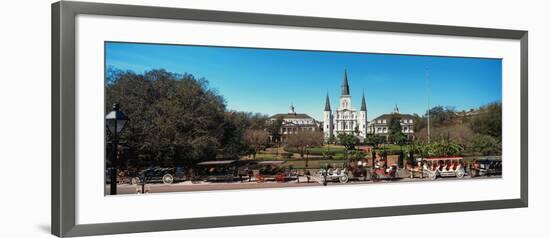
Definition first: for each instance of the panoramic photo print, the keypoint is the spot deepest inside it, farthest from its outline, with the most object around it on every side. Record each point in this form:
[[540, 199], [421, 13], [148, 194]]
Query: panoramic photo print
[[183, 118]]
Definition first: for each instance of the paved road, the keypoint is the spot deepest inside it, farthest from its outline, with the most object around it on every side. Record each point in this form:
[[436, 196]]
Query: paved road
[[188, 186]]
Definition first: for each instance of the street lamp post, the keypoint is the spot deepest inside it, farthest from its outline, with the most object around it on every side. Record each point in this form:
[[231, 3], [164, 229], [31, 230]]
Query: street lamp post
[[115, 122]]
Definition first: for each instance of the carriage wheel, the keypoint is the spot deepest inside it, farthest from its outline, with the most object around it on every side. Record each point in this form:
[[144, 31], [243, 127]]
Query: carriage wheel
[[135, 181], [433, 175], [374, 176], [167, 179], [344, 178], [460, 173]]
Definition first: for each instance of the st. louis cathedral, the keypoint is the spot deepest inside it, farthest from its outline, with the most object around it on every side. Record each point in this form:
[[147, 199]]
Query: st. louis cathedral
[[346, 119]]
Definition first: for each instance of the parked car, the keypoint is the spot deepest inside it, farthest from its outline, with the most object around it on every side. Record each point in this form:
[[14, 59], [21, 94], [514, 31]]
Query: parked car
[[158, 174]]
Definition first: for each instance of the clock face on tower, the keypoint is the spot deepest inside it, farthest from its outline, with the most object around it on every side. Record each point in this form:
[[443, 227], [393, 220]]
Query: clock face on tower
[[345, 104]]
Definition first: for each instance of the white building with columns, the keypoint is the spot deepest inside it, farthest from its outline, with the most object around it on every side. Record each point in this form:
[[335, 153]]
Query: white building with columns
[[345, 119]]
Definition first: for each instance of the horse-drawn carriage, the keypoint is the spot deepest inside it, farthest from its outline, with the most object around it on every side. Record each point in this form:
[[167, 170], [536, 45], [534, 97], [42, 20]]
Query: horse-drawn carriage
[[443, 167], [252, 170], [378, 172], [486, 166], [341, 175], [270, 170], [335, 172], [216, 171]]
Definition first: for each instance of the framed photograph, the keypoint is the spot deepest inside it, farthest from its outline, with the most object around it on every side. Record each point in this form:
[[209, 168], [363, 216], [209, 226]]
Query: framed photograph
[[215, 119]]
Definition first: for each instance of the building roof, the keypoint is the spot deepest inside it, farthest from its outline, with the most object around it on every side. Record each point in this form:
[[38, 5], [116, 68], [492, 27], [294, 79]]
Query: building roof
[[345, 86], [389, 115], [291, 116]]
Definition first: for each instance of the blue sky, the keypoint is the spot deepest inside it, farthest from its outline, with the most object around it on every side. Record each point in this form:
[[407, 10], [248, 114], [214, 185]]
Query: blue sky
[[268, 81]]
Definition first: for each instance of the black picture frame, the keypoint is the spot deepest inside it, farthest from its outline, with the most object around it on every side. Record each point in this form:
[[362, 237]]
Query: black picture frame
[[64, 107]]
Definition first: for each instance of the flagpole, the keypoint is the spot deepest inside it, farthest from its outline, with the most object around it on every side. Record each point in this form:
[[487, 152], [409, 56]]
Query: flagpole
[[428, 99]]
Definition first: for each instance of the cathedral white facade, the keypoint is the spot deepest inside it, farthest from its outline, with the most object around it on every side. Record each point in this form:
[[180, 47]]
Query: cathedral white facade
[[345, 119]]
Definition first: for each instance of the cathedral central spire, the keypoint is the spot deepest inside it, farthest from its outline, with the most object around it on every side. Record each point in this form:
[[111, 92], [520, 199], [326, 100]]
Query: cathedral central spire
[[345, 86]]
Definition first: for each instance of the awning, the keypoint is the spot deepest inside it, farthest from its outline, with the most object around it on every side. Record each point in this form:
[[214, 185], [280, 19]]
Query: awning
[[442, 158], [271, 162], [216, 162]]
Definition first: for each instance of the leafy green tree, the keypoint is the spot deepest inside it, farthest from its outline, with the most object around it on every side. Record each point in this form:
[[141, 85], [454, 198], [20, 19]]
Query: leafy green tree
[[395, 131], [172, 117], [374, 140], [440, 115], [176, 118], [488, 120], [486, 145], [398, 138], [347, 140], [395, 124]]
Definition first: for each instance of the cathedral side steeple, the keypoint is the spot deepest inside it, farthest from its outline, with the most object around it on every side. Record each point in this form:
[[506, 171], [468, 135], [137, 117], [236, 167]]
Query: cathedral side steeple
[[327, 104], [363, 103], [327, 120]]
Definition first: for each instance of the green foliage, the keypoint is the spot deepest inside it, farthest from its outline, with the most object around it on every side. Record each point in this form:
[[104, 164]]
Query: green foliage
[[395, 131], [441, 115], [348, 141], [176, 118], [439, 148], [374, 140], [356, 155], [331, 139], [486, 145], [488, 120], [476, 131], [398, 138], [171, 116], [395, 124]]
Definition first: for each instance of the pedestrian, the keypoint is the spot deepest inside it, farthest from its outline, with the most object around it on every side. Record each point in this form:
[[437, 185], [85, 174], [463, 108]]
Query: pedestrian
[[250, 174]]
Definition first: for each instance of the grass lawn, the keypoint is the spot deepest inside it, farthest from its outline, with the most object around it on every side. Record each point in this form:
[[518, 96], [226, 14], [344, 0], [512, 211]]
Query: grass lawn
[[336, 150], [332, 148], [265, 156], [392, 147]]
